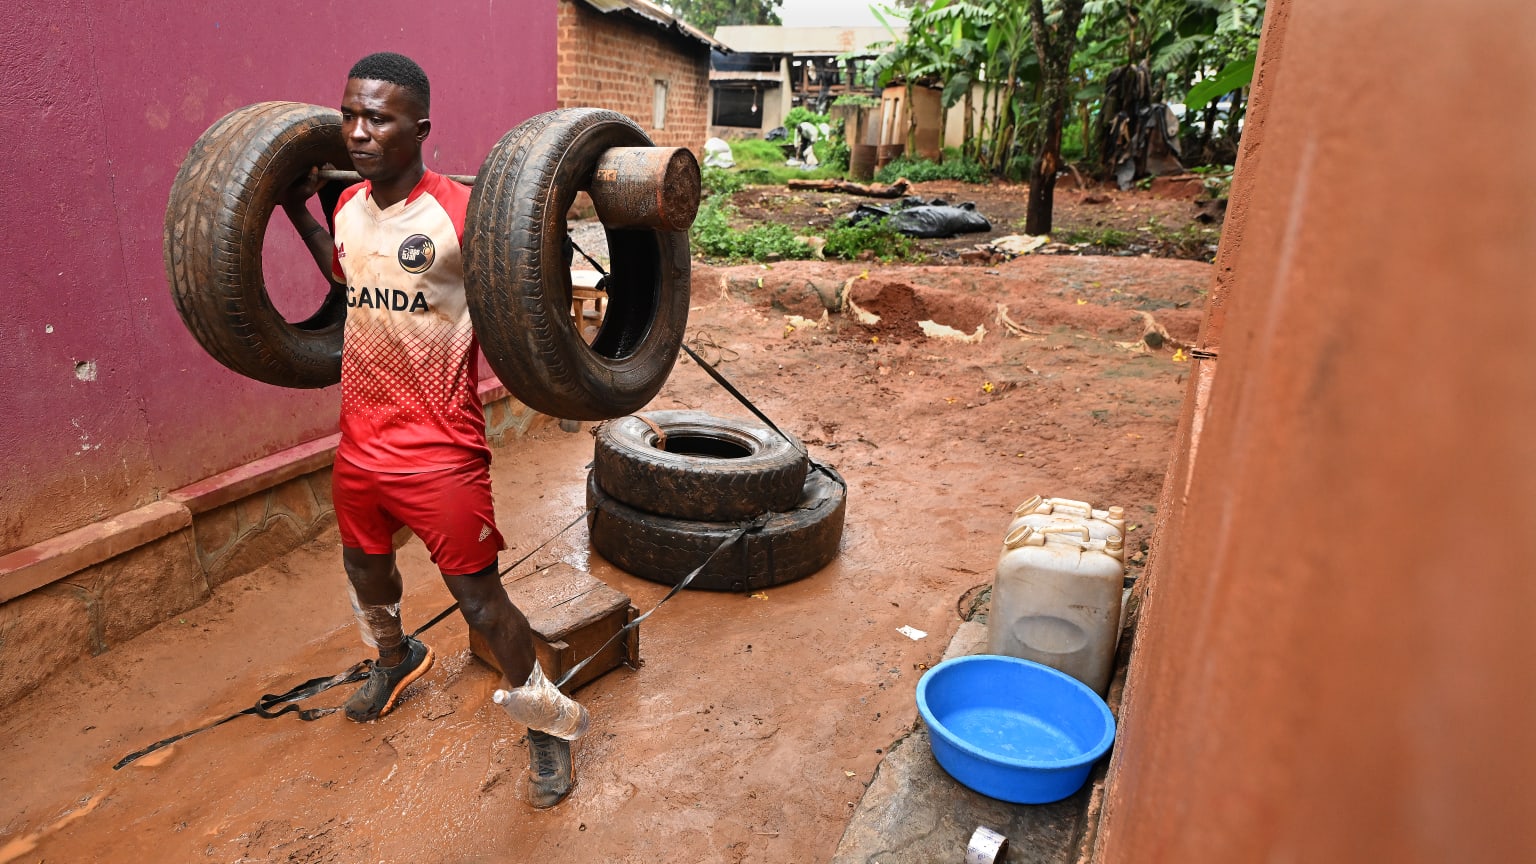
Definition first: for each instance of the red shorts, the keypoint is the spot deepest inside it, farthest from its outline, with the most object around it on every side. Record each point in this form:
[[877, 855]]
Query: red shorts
[[450, 510]]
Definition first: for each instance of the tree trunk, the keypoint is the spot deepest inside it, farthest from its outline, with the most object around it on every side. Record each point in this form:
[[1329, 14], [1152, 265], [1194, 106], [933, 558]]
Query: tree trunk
[[966, 146], [1054, 47]]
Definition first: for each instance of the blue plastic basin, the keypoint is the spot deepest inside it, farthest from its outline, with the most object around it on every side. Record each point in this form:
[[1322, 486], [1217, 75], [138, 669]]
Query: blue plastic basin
[[1013, 729]]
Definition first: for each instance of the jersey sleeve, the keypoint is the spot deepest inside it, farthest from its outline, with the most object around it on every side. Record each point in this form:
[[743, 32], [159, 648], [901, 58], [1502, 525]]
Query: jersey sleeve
[[336, 248]]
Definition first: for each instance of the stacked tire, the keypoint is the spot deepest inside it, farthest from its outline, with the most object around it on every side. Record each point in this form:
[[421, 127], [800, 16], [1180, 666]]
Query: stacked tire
[[667, 488]]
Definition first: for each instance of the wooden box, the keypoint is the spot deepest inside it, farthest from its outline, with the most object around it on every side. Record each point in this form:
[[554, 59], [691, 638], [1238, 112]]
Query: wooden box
[[572, 614]]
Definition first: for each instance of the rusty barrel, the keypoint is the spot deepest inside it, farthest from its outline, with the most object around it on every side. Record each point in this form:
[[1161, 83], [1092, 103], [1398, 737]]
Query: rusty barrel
[[861, 162], [885, 154], [646, 187]]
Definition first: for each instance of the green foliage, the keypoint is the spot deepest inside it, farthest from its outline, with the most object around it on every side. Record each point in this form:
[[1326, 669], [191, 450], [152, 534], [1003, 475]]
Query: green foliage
[[856, 100], [761, 163], [878, 238], [800, 114], [713, 235], [923, 170], [1104, 238], [757, 153], [1232, 76], [709, 14], [719, 181]]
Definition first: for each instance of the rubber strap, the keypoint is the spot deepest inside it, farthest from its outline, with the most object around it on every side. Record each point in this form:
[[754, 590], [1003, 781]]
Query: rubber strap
[[661, 434], [720, 379], [263, 707]]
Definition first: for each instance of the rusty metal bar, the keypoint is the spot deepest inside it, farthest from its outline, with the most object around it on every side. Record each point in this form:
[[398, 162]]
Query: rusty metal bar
[[631, 187], [646, 187]]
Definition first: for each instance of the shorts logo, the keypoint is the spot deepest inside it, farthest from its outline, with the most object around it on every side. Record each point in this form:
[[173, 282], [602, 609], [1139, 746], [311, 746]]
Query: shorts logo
[[485, 531], [416, 253]]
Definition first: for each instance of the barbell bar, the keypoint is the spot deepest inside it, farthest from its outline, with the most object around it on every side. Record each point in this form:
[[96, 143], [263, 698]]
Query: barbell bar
[[631, 187]]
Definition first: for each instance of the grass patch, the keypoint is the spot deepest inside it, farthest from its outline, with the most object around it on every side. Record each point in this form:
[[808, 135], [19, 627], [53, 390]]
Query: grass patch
[[1106, 238], [761, 163], [922, 170]]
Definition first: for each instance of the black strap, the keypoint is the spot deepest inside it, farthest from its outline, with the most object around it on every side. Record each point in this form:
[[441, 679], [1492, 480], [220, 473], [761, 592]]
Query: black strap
[[263, 708], [314, 686], [720, 379]]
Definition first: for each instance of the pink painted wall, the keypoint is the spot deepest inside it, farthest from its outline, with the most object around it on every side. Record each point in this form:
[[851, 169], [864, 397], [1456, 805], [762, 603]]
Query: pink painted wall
[[107, 401]]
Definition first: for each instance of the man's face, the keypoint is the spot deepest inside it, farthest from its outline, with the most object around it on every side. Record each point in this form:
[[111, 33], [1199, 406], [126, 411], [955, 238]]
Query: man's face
[[383, 128]]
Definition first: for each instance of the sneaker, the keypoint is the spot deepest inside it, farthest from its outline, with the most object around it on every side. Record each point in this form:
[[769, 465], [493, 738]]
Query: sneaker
[[549, 769], [385, 683]]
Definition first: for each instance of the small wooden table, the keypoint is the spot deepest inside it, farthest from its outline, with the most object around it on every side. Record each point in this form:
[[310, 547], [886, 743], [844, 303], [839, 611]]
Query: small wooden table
[[584, 290]]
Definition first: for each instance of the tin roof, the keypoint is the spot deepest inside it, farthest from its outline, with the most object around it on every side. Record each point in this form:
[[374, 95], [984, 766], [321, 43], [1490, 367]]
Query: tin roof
[[766, 39], [658, 16]]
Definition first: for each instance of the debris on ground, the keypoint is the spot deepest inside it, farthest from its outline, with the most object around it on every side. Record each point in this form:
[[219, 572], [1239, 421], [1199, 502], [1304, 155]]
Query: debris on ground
[[868, 190], [939, 220], [1013, 245], [717, 154]]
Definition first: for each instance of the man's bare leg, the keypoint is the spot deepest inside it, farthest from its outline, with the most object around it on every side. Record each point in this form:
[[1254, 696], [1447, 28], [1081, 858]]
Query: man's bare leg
[[376, 590], [531, 699]]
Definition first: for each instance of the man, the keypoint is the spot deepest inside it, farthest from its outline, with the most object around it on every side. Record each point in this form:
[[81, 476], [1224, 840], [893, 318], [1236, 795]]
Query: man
[[413, 449]]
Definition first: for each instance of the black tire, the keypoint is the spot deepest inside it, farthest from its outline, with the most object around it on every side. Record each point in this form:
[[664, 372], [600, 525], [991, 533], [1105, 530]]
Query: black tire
[[711, 469], [215, 226], [789, 545], [518, 281]]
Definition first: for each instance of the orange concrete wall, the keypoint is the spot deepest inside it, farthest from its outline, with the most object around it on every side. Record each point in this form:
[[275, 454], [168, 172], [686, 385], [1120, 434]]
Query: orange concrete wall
[[613, 60], [1333, 661]]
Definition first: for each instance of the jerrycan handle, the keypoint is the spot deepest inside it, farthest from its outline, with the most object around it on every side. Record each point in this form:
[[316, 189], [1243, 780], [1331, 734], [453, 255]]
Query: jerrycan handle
[[1081, 530], [1030, 505], [1069, 504], [1023, 536]]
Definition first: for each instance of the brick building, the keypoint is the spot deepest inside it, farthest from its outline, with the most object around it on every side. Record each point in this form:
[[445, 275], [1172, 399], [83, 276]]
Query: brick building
[[632, 57]]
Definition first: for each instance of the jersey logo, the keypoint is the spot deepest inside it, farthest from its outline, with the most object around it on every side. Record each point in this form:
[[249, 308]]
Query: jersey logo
[[416, 253]]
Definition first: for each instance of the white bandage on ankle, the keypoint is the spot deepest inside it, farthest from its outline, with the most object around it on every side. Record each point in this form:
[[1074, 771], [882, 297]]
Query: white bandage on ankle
[[373, 621], [541, 706]]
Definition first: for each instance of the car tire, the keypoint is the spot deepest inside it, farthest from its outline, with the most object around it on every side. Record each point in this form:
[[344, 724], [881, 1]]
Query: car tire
[[517, 276], [700, 467], [215, 227], [784, 547]]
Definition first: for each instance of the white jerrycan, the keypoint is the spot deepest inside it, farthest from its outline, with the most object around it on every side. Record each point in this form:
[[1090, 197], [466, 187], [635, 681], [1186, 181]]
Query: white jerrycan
[[1056, 600], [1040, 512]]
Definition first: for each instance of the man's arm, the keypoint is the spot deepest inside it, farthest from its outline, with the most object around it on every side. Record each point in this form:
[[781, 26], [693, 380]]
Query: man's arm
[[321, 246]]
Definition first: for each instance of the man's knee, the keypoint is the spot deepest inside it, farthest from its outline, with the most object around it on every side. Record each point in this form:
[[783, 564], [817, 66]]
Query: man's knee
[[482, 600]]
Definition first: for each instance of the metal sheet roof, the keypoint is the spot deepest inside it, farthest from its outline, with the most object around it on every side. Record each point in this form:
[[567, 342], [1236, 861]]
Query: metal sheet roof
[[765, 39], [656, 15]]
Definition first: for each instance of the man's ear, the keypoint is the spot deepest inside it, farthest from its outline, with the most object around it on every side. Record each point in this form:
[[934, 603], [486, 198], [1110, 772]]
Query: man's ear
[[423, 129]]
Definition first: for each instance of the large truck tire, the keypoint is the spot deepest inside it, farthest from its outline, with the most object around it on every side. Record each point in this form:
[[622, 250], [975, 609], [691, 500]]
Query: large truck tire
[[517, 274], [215, 227], [700, 467], [787, 546]]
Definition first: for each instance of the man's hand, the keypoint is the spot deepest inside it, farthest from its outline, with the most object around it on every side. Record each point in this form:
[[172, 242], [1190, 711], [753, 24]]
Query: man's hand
[[301, 190]]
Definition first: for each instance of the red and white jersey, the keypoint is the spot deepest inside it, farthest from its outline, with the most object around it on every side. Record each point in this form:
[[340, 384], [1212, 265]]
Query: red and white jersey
[[409, 400]]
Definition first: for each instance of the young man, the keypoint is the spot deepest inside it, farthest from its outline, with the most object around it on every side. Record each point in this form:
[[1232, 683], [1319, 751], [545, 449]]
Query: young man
[[413, 449]]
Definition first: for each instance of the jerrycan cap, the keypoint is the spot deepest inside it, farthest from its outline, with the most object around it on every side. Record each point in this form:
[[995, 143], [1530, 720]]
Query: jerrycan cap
[[1030, 505], [1022, 536]]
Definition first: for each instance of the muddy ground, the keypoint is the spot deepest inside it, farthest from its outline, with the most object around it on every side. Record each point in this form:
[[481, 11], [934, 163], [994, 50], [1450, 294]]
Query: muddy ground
[[756, 721]]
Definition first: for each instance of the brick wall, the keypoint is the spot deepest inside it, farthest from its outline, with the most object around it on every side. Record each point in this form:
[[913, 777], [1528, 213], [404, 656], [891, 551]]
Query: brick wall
[[613, 61]]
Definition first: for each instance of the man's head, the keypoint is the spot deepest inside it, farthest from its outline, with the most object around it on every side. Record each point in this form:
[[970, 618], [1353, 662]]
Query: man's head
[[384, 114]]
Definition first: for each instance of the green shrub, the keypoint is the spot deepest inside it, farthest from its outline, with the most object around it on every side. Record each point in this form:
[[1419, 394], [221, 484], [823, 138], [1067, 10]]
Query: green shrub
[[800, 114], [713, 236], [847, 241], [856, 100], [719, 181], [923, 170]]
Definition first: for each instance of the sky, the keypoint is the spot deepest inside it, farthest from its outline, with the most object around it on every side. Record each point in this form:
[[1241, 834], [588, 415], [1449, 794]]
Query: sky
[[827, 13]]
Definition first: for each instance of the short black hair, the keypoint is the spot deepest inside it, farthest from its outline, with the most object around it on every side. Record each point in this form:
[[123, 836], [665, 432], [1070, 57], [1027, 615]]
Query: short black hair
[[396, 69]]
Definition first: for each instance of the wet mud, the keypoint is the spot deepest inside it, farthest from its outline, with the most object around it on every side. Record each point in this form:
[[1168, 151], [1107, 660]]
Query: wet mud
[[755, 722]]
